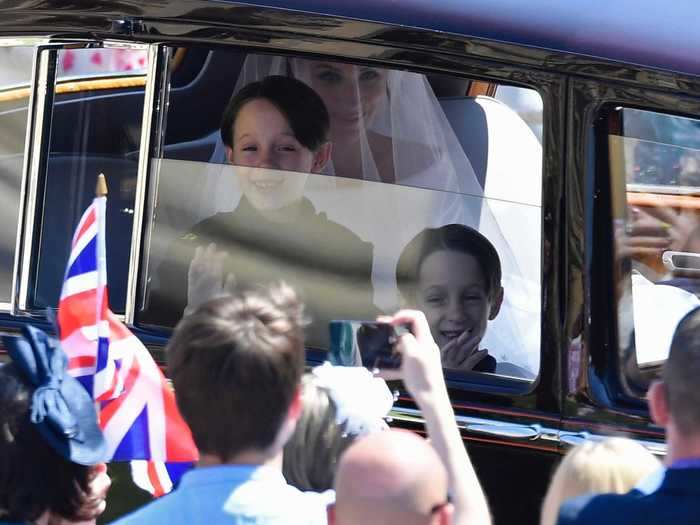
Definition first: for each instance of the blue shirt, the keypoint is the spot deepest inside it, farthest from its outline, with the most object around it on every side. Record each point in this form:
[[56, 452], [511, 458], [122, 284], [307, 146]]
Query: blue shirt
[[234, 495]]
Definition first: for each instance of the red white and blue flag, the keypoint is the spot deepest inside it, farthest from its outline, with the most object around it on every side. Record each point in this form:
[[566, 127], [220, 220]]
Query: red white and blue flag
[[137, 410]]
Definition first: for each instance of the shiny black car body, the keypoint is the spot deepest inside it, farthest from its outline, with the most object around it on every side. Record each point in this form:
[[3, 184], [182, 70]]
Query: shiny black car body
[[581, 59]]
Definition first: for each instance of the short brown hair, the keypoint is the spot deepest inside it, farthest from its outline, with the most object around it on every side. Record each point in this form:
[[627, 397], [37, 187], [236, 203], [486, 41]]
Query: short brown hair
[[301, 106], [451, 237], [236, 363], [681, 373]]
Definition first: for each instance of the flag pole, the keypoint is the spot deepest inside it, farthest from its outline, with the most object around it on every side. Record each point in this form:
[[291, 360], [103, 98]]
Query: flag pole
[[101, 186], [100, 191]]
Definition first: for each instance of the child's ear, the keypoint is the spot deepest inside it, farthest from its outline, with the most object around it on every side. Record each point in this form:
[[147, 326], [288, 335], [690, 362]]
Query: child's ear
[[321, 157], [229, 154], [496, 304]]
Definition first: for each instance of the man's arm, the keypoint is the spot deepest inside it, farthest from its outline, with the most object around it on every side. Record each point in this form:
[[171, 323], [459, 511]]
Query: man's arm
[[422, 374]]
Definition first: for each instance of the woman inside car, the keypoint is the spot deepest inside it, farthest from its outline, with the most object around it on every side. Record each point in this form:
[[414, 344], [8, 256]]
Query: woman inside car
[[387, 126]]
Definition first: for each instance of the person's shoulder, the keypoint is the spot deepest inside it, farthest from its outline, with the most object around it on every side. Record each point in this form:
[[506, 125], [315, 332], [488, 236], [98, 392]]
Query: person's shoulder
[[597, 509], [313, 505], [161, 509]]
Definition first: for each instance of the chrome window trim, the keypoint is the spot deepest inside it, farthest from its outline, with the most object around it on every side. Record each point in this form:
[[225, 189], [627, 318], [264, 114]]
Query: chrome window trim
[[42, 88], [14, 292], [520, 432], [155, 101], [41, 98]]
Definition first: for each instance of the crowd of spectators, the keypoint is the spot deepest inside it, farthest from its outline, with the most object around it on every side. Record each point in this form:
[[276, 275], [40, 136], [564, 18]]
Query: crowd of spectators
[[278, 446]]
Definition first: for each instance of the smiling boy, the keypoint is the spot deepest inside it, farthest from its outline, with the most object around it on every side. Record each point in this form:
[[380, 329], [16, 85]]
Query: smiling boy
[[276, 133], [453, 275]]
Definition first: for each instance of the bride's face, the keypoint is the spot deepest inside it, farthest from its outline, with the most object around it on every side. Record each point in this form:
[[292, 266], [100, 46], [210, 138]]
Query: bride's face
[[352, 94]]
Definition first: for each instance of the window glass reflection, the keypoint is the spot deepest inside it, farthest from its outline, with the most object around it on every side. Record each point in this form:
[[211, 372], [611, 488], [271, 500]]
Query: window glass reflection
[[394, 161]]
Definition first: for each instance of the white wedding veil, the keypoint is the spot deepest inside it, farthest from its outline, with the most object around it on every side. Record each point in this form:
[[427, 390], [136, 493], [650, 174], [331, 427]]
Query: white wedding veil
[[407, 140]]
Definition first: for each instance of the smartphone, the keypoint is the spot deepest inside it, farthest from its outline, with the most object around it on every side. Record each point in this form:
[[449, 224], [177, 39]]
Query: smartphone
[[687, 262], [365, 343]]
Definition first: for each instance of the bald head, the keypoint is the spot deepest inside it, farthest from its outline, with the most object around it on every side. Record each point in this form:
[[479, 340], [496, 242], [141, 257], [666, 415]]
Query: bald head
[[390, 477]]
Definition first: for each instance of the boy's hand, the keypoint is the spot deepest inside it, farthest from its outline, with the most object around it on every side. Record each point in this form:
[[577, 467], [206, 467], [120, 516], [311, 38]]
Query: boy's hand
[[205, 278], [462, 353]]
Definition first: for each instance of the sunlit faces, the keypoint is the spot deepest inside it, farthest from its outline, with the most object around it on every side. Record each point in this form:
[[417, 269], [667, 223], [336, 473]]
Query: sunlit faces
[[351, 93], [453, 295], [263, 139]]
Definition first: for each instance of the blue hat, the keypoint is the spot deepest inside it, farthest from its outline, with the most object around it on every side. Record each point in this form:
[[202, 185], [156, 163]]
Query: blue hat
[[61, 408]]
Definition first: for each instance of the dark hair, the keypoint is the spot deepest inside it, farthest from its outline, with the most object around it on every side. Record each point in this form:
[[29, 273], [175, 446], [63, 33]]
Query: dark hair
[[236, 363], [681, 372], [34, 478], [301, 106], [453, 237]]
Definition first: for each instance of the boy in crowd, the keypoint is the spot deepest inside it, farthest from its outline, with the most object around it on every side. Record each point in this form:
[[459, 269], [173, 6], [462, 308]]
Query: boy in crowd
[[236, 365]]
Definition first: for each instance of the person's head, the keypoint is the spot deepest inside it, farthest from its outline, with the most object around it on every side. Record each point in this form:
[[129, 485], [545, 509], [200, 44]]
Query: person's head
[[236, 364], [674, 402], [50, 444], [277, 123], [452, 274], [311, 454], [614, 465], [391, 477], [352, 93]]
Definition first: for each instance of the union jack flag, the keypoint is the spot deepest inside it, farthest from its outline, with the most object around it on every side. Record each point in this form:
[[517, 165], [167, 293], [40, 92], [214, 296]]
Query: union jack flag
[[137, 410]]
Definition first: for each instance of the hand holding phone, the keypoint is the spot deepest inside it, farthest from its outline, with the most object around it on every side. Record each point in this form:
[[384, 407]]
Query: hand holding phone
[[371, 344], [421, 368]]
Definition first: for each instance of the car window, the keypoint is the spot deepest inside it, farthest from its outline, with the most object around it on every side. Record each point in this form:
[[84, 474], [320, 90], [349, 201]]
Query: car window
[[362, 188], [15, 76], [95, 128], [655, 173]]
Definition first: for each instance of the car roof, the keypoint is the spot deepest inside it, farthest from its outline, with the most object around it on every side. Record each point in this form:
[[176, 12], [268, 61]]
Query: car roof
[[656, 34]]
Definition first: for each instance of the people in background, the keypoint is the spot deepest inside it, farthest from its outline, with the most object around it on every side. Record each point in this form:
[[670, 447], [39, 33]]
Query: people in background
[[453, 275], [236, 365], [340, 404], [674, 403], [614, 465], [396, 477], [51, 448]]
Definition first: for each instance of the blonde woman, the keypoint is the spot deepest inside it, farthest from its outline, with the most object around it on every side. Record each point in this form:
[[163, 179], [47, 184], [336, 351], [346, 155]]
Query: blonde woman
[[613, 465], [339, 404]]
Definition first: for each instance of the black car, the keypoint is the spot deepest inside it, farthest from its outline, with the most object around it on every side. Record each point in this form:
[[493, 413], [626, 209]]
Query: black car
[[567, 137]]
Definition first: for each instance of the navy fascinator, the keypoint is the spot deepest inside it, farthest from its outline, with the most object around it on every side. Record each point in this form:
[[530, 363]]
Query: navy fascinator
[[62, 410]]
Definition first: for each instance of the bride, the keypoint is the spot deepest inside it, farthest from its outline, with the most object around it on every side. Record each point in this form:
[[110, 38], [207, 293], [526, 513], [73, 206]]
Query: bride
[[396, 168]]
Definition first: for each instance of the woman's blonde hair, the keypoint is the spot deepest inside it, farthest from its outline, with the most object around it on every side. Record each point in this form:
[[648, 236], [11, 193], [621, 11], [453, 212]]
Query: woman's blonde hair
[[311, 454], [613, 465]]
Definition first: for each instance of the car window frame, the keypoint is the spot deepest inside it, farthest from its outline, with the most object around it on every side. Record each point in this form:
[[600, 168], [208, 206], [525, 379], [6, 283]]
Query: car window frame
[[592, 158], [544, 83], [43, 89]]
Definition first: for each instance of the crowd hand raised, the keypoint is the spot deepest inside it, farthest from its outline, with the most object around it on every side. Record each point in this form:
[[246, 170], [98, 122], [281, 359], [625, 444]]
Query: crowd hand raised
[[421, 367], [421, 371], [205, 278], [678, 224], [462, 353], [653, 230], [642, 235]]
